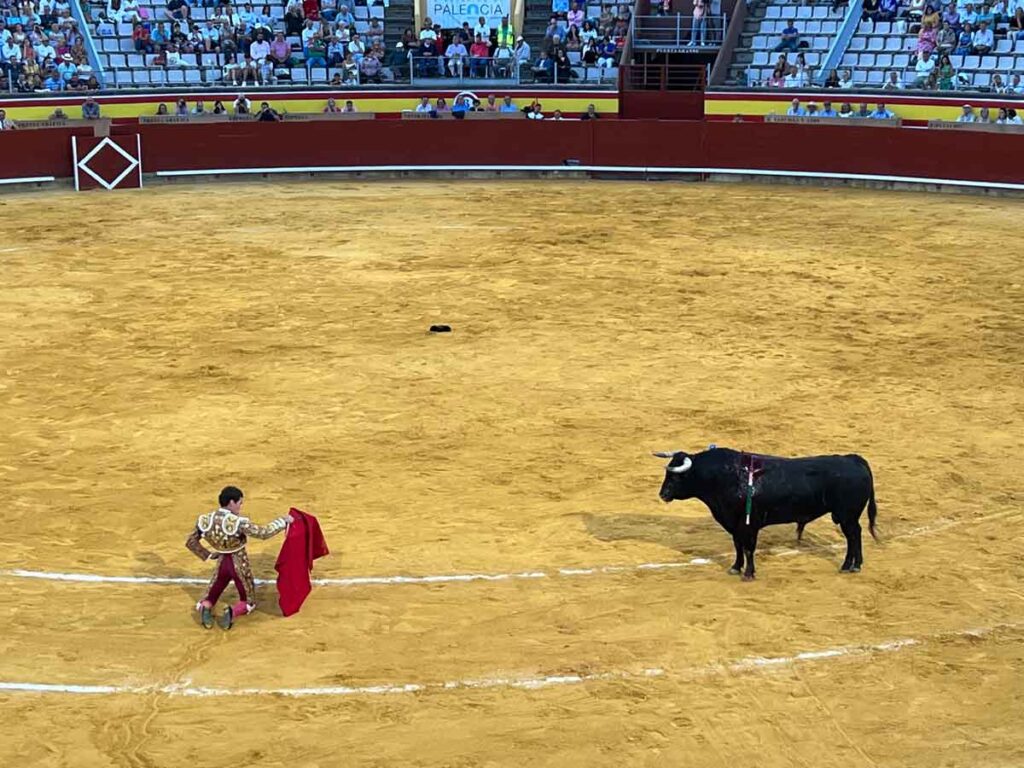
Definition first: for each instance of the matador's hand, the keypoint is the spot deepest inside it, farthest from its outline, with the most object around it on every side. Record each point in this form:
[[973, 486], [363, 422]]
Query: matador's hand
[[289, 519]]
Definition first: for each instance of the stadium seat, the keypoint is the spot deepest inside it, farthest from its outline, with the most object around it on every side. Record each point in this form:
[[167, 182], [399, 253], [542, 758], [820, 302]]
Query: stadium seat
[[883, 28], [884, 60], [971, 62], [117, 60], [318, 75], [125, 45], [193, 76], [894, 43], [819, 12], [1004, 46], [1018, 46], [858, 43], [1006, 63], [124, 30], [988, 62], [298, 74], [772, 12], [876, 77], [760, 42], [982, 80], [157, 76], [812, 28], [849, 60], [877, 43], [829, 28], [900, 61], [136, 60], [803, 12], [175, 76], [140, 77], [820, 44]]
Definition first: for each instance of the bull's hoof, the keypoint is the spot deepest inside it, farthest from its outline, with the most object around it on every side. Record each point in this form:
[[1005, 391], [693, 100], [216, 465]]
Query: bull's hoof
[[734, 571], [748, 577]]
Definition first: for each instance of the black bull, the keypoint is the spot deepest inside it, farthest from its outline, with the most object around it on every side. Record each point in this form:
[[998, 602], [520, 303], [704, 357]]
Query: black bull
[[784, 491]]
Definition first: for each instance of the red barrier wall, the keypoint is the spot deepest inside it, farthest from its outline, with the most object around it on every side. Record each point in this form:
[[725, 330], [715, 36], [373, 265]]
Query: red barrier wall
[[37, 153], [646, 143]]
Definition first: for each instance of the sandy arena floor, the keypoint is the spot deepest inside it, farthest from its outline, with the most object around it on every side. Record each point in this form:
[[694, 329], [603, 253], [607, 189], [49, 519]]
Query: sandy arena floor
[[159, 345]]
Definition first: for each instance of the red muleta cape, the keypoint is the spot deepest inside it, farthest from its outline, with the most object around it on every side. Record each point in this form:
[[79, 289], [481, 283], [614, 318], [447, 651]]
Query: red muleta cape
[[303, 544]]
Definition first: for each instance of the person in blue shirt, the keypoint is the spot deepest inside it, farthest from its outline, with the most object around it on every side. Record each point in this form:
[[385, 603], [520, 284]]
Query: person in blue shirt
[[796, 110], [963, 45], [827, 111], [790, 38], [507, 105], [881, 113], [53, 82]]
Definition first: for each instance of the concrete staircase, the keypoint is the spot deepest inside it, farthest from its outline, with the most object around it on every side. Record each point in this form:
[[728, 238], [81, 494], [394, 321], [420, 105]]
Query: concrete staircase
[[398, 15], [743, 54], [535, 21]]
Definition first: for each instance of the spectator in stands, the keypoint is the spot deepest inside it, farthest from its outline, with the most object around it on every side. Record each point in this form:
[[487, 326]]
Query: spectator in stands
[[887, 10], [294, 20], [951, 16], [177, 10], [356, 47], [10, 56], [987, 16], [795, 110], [699, 25], [573, 41], [161, 109], [790, 38], [826, 110], [967, 116], [316, 51], [543, 70], [67, 67], [534, 111], [350, 107], [963, 45], [944, 73], [456, 54], [505, 35], [53, 81], [1012, 118], [181, 108], [242, 105], [846, 81], [563, 68], [424, 105], [927, 39], [441, 105], [199, 109], [426, 62], [606, 53], [280, 51], [870, 11], [1015, 86], [575, 15], [930, 19], [893, 82], [479, 53], [832, 81], [369, 69], [349, 71], [778, 77], [802, 70], [605, 22], [521, 53], [507, 105], [346, 19], [219, 108], [947, 38], [984, 116], [588, 56], [142, 39], [881, 113], [792, 78], [845, 110], [5, 124], [267, 114], [502, 64], [863, 112], [923, 69], [90, 109], [1016, 31], [590, 114], [331, 107], [969, 15], [983, 40]]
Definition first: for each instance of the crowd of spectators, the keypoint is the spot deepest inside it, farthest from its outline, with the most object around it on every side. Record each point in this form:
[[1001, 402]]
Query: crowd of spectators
[[478, 51], [41, 48], [254, 48], [934, 34], [467, 103], [1003, 116]]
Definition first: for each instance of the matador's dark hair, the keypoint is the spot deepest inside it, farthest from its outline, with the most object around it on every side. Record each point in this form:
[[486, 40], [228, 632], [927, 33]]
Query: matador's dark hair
[[229, 494]]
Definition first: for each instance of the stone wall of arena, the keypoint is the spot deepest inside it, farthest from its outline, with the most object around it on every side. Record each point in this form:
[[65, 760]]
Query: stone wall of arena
[[683, 148]]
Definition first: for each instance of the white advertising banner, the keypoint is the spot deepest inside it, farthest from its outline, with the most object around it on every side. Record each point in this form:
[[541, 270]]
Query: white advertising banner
[[451, 13]]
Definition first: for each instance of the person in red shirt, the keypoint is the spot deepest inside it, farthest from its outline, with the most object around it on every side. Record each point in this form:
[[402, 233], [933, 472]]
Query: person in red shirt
[[312, 9], [479, 53]]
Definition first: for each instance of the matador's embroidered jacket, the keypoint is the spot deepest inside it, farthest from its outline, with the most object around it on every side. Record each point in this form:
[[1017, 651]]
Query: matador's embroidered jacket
[[226, 533]]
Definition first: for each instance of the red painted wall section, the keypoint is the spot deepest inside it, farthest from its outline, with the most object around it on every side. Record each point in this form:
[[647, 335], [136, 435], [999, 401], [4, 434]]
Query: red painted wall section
[[37, 153], [647, 143]]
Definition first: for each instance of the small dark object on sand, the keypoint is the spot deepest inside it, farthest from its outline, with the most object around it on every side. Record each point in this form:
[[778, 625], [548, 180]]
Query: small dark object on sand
[[440, 329]]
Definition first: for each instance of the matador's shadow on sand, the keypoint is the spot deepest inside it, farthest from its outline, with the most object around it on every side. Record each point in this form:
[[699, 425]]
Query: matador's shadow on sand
[[262, 568], [691, 537]]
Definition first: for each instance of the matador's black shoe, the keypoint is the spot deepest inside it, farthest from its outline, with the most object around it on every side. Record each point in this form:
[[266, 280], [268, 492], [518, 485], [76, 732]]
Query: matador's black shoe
[[206, 616], [227, 619]]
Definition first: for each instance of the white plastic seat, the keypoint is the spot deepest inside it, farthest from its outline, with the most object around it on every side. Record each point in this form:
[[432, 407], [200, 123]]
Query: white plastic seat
[[866, 60]]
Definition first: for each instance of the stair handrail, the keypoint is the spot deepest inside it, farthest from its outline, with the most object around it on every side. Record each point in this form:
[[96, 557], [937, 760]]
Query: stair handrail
[[841, 41]]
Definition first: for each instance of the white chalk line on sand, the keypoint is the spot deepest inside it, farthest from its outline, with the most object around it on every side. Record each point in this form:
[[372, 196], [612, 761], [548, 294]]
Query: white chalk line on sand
[[744, 665], [449, 578]]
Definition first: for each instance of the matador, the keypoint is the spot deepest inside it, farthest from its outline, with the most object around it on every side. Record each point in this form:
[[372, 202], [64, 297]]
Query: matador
[[226, 531]]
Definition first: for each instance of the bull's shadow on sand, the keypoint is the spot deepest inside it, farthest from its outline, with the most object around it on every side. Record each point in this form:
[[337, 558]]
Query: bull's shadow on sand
[[696, 537]]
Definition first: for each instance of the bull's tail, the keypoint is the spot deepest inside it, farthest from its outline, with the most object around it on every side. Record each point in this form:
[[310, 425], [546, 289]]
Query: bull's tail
[[872, 507]]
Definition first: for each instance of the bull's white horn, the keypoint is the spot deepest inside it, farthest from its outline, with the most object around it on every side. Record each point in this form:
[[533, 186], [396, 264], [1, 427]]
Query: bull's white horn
[[665, 454], [687, 463]]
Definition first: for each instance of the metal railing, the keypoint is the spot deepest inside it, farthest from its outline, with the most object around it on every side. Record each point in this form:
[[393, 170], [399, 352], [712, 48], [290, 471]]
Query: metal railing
[[431, 69], [663, 77], [678, 31]]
